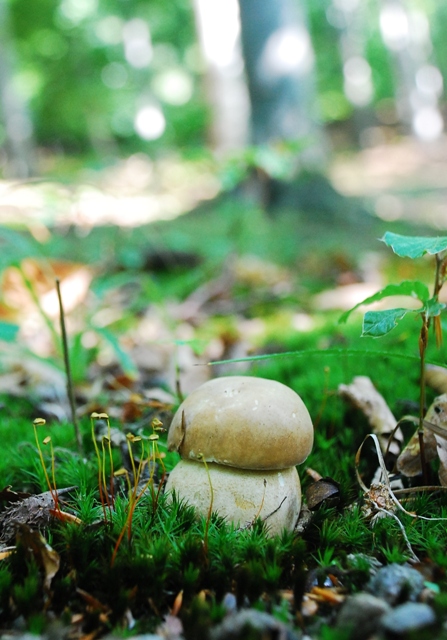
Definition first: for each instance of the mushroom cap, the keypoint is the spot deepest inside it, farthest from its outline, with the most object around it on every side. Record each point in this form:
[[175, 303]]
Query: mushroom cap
[[240, 495], [244, 422]]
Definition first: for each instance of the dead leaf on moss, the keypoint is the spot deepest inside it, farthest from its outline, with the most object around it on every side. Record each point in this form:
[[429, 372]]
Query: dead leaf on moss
[[46, 557], [435, 442], [323, 491], [9, 495], [436, 377], [36, 511], [362, 394]]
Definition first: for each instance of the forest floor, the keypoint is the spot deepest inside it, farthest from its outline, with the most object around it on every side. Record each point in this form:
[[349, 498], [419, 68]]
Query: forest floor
[[151, 297]]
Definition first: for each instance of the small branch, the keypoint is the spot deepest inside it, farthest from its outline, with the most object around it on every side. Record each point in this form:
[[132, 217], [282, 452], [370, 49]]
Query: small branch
[[70, 391], [414, 557]]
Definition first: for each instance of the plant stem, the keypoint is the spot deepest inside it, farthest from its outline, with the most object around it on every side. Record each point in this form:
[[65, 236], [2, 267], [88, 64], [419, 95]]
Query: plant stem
[[98, 456], [423, 338], [42, 462], [70, 391]]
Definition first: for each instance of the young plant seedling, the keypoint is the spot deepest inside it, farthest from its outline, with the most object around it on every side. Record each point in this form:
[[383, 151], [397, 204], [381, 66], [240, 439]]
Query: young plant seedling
[[378, 323]]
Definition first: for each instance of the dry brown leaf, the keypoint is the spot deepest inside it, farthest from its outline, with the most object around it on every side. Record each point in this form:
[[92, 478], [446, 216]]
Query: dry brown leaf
[[5, 553], [362, 394], [435, 443], [436, 377], [13, 496], [323, 491], [46, 557], [309, 607], [75, 281], [36, 511], [325, 594]]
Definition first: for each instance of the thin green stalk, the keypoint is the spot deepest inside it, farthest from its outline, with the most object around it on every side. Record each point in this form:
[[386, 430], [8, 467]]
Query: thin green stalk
[[133, 497], [95, 416], [423, 341], [35, 298], [70, 390], [39, 422], [53, 470], [104, 479], [109, 446]]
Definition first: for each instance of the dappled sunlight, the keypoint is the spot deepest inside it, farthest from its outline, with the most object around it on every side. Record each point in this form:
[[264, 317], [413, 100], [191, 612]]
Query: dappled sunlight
[[288, 52], [132, 192], [406, 180]]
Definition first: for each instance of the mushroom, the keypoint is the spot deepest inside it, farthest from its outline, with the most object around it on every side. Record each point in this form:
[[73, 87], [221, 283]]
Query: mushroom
[[251, 432]]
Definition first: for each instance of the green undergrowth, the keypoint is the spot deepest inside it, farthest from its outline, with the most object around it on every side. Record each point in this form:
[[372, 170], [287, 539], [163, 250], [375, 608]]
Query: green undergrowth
[[173, 561], [167, 559], [171, 552]]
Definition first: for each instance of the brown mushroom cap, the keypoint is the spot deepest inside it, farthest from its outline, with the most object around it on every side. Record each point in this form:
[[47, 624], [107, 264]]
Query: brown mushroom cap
[[244, 422], [240, 495]]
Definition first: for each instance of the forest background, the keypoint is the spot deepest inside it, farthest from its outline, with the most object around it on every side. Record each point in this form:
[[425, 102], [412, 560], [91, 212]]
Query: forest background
[[207, 181]]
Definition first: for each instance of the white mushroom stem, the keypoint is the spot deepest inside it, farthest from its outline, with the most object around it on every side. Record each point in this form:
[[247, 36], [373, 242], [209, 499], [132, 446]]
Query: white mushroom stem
[[240, 495]]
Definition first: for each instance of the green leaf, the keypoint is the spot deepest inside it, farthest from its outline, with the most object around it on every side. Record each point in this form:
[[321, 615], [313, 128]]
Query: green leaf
[[412, 288], [414, 247], [378, 323]]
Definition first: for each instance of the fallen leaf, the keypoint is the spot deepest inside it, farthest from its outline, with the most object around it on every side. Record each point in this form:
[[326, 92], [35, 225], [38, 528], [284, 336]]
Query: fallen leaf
[[45, 556], [13, 496], [324, 490], [325, 594], [436, 377], [435, 444], [362, 394], [5, 553], [36, 511]]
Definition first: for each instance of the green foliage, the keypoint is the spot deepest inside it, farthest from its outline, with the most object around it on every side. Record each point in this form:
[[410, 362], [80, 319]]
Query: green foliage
[[379, 323], [27, 590], [82, 111], [5, 586], [413, 246]]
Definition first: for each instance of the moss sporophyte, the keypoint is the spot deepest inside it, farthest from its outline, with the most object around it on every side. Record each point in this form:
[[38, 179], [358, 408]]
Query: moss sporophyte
[[40, 422], [137, 487]]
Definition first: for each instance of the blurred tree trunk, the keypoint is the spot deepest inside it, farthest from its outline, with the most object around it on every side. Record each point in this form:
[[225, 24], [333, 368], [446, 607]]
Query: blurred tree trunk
[[15, 120], [218, 29], [279, 65]]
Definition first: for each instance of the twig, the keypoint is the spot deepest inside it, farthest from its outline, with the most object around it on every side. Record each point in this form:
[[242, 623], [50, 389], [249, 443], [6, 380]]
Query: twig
[[251, 523], [70, 392], [414, 557], [386, 481]]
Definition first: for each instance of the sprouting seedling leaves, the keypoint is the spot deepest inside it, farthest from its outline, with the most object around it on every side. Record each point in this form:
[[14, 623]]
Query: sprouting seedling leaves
[[414, 246], [379, 323]]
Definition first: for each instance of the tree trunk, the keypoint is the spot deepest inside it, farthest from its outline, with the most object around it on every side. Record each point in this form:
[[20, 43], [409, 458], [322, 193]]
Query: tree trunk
[[279, 64], [17, 124], [218, 28]]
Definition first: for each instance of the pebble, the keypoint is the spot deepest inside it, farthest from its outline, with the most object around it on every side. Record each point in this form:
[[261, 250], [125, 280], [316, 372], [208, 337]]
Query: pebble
[[257, 625], [361, 614], [407, 620], [396, 584]]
